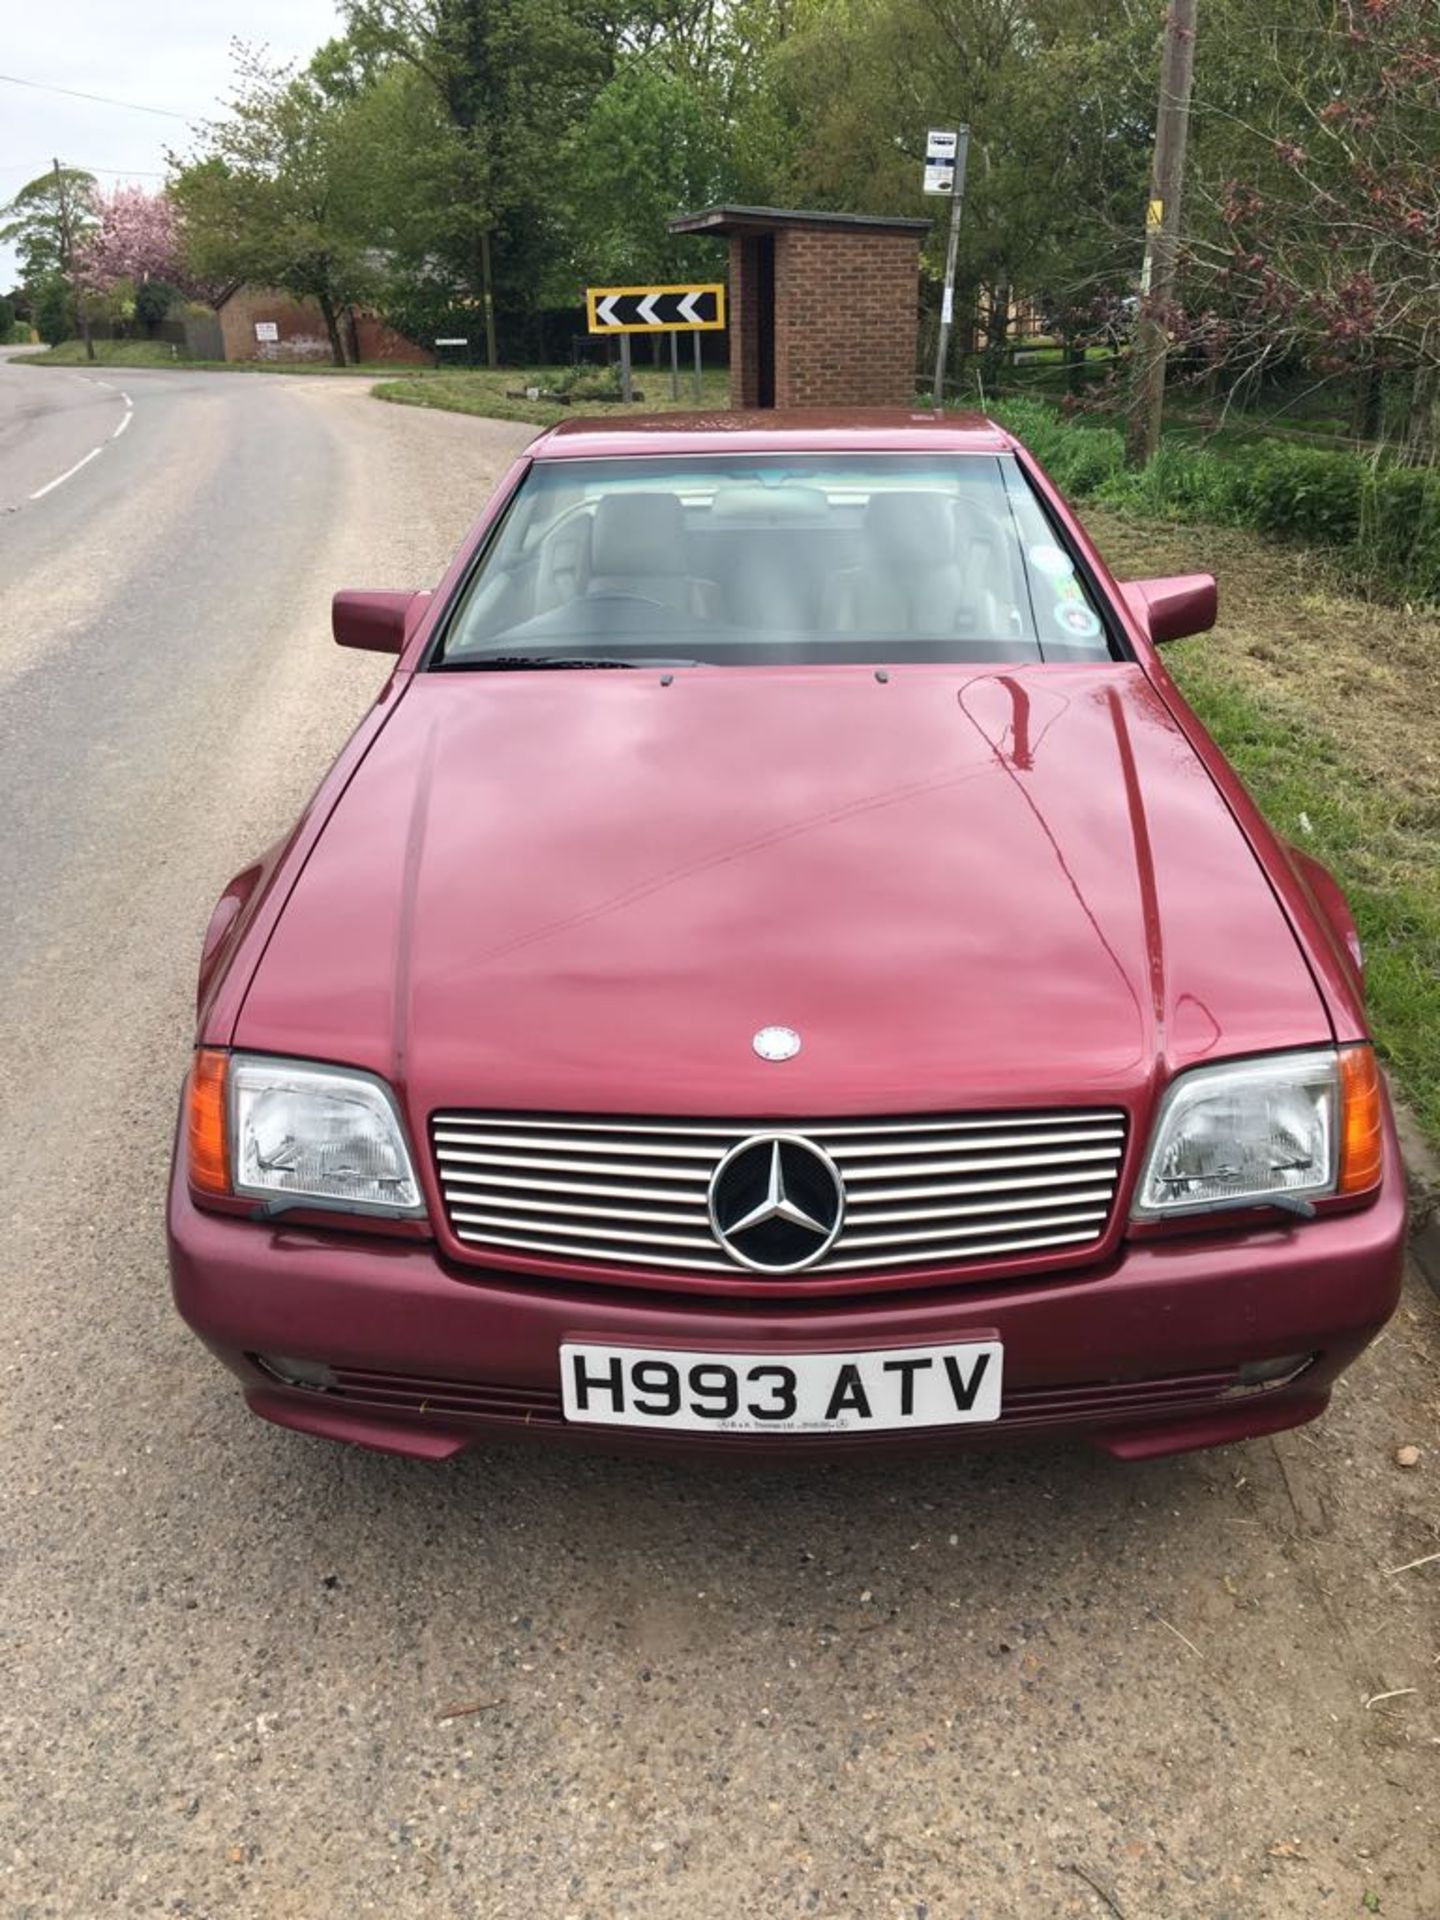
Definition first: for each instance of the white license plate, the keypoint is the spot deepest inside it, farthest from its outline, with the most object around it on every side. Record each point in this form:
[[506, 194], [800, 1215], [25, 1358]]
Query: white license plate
[[871, 1392]]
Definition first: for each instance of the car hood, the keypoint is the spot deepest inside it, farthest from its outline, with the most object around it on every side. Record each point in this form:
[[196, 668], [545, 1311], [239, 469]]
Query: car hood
[[586, 892]]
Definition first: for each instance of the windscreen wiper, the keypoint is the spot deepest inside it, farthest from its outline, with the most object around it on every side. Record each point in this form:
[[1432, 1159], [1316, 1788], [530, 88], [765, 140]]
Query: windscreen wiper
[[524, 662]]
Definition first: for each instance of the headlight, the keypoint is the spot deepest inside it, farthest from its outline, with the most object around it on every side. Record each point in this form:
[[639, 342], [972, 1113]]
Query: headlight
[[319, 1135], [1252, 1131]]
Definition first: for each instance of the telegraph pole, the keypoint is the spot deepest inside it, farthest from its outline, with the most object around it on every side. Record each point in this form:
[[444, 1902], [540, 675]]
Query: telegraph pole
[[67, 254], [1162, 236]]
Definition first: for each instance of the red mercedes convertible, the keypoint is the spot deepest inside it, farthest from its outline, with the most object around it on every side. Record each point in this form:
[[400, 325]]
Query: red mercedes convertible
[[780, 967]]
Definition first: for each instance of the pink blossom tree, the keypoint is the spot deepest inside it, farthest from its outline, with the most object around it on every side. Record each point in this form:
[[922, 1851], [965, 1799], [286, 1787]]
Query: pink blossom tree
[[135, 239]]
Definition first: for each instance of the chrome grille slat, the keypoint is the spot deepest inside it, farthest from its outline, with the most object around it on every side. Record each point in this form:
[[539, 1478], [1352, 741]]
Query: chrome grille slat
[[1091, 1218], [731, 1130], [978, 1143], [1065, 1202], [917, 1169], [629, 1257], [921, 1192], [947, 1257], [699, 1241]]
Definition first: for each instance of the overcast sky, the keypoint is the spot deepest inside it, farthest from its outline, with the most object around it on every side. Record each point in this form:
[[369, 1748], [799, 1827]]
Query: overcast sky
[[180, 63]]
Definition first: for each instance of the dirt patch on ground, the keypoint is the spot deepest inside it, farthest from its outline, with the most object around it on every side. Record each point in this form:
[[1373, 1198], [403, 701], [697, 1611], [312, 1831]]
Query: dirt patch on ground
[[1366, 673]]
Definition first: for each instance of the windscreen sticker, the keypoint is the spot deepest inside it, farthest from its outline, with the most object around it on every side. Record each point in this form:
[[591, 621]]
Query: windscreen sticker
[[1047, 559], [1069, 589], [1077, 620]]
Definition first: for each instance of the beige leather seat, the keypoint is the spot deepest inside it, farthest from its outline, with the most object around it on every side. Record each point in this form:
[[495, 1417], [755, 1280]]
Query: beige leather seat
[[638, 546], [910, 581]]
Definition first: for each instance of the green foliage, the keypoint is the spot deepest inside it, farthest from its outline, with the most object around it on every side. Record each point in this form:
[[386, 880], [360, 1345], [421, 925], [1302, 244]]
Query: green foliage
[[1308, 495], [50, 214], [112, 353], [153, 301], [280, 194], [1382, 519], [51, 307], [653, 144], [1400, 526], [1081, 461]]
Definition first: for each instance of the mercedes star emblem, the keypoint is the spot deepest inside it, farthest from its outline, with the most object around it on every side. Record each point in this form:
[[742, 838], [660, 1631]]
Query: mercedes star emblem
[[777, 1203], [776, 1043]]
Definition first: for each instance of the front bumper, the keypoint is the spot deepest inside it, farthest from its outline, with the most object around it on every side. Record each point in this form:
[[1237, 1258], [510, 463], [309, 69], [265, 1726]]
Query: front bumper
[[1138, 1355]]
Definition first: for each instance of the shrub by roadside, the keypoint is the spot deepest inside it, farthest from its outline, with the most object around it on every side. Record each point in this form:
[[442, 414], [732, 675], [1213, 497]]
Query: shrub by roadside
[[1380, 519]]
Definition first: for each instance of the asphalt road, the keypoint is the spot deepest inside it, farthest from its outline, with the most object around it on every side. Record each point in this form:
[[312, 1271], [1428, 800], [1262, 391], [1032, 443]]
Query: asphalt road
[[246, 1673]]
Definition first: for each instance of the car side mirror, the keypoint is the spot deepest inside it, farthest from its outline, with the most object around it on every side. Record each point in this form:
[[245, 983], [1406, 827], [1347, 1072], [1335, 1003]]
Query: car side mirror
[[1173, 609], [378, 622]]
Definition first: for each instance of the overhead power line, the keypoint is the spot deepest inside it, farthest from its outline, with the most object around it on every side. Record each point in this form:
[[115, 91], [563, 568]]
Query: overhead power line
[[125, 173], [101, 99]]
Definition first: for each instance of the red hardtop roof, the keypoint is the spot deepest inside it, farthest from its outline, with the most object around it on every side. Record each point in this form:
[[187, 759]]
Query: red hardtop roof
[[802, 430]]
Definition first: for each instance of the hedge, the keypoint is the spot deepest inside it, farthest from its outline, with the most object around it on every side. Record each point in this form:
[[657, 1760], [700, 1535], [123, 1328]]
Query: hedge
[[1382, 519]]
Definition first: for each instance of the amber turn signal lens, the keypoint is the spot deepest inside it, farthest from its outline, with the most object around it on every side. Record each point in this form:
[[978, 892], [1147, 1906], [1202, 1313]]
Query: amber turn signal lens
[[205, 1130], [1361, 1126]]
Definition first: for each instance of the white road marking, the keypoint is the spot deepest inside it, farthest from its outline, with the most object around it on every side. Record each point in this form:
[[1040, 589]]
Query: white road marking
[[69, 474], [95, 452]]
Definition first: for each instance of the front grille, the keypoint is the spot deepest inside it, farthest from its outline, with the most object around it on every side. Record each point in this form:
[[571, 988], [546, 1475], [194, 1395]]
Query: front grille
[[923, 1193]]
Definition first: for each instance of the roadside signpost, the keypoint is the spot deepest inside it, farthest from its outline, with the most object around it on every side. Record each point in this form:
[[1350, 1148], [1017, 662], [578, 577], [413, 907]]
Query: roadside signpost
[[667, 309], [940, 148], [946, 153]]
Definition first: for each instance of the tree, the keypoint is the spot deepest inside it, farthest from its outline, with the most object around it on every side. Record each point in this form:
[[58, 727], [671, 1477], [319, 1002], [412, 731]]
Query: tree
[[153, 301], [1318, 222], [48, 221], [135, 237], [1057, 95], [653, 144], [509, 80], [280, 194]]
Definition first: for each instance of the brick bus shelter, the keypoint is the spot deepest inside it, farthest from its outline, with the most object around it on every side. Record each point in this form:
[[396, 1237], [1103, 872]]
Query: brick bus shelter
[[824, 307]]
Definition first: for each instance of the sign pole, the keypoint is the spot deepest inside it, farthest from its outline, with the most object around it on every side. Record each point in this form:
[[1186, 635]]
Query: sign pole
[[947, 303], [625, 368], [674, 366], [699, 375]]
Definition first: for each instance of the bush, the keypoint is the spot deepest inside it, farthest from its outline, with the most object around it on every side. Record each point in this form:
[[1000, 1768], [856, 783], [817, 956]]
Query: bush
[[1308, 495], [1080, 460], [1384, 519], [1400, 527]]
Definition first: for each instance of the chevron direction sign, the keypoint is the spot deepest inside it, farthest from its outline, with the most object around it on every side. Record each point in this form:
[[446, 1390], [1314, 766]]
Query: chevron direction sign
[[655, 309]]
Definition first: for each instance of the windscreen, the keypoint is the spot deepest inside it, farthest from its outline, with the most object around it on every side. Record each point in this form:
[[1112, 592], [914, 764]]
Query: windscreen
[[726, 560]]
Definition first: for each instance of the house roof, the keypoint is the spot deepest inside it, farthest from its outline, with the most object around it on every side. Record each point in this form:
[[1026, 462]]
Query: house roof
[[738, 220]]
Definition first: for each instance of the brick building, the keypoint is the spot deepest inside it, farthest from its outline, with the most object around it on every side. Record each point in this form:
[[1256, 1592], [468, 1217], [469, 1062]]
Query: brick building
[[259, 323], [824, 307]]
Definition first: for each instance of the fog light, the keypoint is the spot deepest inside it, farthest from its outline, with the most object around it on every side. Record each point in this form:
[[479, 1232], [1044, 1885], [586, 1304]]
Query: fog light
[[1264, 1376], [313, 1375]]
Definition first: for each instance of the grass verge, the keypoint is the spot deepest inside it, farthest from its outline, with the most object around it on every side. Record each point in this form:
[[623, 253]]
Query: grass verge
[[159, 353], [1324, 703], [489, 394], [109, 353]]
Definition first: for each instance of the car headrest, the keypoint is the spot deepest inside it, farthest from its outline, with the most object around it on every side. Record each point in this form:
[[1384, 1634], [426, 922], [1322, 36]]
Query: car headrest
[[910, 529], [637, 534], [771, 506]]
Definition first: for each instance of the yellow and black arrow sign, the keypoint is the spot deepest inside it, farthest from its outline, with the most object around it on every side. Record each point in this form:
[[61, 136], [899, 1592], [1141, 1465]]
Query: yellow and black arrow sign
[[655, 309]]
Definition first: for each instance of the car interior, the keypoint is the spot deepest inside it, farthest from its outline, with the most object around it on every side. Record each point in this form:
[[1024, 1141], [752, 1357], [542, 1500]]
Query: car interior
[[747, 567]]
